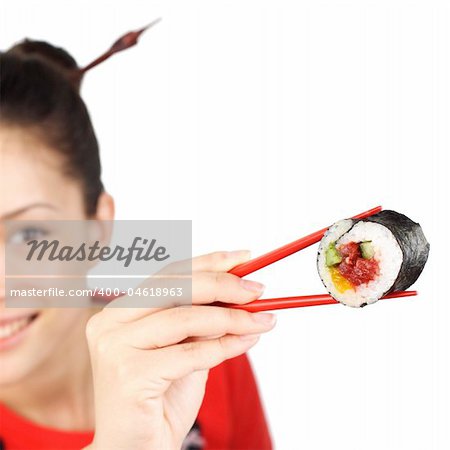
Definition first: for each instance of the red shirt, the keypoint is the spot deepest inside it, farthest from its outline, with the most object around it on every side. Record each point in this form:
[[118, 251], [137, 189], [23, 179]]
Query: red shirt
[[230, 418]]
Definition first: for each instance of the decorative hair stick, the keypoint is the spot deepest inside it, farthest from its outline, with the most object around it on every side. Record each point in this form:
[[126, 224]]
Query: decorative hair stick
[[126, 41]]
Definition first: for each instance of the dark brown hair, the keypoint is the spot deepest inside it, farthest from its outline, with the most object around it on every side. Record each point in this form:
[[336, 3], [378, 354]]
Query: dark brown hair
[[40, 91], [37, 93]]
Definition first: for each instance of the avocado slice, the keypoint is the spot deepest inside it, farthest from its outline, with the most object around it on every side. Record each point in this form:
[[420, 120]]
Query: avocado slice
[[367, 250], [332, 256]]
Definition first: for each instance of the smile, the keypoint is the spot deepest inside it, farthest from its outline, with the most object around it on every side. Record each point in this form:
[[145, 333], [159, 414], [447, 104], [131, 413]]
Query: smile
[[14, 327]]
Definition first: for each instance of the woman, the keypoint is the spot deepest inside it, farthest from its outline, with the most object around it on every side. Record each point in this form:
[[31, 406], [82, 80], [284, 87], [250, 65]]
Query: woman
[[116, 378]]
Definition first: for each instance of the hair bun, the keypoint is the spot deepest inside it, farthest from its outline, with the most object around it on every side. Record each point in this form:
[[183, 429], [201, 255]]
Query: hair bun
[[56, 57]]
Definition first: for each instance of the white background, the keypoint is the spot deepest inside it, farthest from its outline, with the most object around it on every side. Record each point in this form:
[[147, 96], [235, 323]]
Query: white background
[[263, 121]]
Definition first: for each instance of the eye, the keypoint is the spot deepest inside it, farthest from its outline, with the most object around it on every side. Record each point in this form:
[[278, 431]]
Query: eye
[[27, 234]]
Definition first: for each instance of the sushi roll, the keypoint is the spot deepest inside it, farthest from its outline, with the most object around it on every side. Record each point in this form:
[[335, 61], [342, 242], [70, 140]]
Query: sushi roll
[[360, 261]]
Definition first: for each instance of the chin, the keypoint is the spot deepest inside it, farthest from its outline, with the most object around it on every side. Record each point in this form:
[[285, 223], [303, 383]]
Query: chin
[[18, 343], [36, 341]]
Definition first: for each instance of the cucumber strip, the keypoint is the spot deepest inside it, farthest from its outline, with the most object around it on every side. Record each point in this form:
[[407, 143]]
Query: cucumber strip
[[367, 250], [332, 256]]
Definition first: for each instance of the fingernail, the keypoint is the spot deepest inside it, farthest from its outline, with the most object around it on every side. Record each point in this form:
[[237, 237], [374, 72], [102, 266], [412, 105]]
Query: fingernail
[[249, 337], [264, 318], [253, 286], [239, 254]]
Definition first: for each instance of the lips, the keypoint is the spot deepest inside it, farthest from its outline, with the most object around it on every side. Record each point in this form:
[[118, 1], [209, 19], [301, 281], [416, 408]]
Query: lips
[[10, 327]]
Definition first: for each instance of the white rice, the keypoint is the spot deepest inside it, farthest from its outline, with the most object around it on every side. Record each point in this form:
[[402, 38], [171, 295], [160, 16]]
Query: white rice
[[387, 252]]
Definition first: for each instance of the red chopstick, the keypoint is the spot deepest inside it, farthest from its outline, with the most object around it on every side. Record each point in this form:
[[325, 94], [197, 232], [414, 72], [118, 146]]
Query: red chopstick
[[271, 304], [275, 255]]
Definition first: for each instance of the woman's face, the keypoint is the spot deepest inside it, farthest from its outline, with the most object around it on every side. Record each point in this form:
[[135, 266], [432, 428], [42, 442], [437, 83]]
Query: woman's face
[[34, 187]]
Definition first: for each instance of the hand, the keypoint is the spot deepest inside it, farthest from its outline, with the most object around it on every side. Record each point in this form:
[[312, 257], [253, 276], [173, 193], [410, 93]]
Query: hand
[[150, 366]]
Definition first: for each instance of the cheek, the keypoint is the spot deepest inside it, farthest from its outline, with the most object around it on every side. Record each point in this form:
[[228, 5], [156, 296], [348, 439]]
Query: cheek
[[46, 346], [57, 325]]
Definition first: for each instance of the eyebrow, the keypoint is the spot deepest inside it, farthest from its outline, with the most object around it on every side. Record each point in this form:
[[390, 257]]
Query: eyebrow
[[19, 211]]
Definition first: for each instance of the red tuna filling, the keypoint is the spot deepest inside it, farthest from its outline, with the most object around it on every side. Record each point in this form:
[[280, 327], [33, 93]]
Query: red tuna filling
[[354, 267]]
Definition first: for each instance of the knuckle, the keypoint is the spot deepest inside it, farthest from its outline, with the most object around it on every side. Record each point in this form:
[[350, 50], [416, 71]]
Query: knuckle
[[217, 277], [181, 315], [222, 278], [189, 348], [104, 343], [232, 315], [127, 370], [218, 257], [223, 282], [222, 346], [92, 327], [239, 317]]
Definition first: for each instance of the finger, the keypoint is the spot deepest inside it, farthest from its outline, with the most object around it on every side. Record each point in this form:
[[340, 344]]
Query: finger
[[209, 287], [220, 261], [154, 294], [174, 325], [216, 262], [180, 360]]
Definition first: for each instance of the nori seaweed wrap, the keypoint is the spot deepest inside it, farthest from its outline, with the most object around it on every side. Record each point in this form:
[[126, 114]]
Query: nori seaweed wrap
[[360, 261]]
